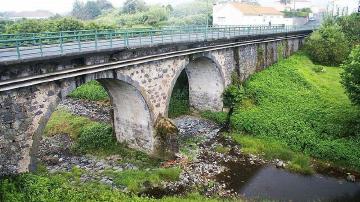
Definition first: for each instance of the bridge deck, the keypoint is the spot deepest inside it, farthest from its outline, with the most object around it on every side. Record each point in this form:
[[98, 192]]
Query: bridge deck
[[31, 46]]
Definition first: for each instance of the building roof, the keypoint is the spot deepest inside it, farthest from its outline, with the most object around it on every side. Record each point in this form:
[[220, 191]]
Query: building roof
[[250, 9]]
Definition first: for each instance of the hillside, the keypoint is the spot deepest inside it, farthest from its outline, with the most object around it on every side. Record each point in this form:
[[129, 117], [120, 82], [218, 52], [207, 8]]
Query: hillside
[[304, 106]]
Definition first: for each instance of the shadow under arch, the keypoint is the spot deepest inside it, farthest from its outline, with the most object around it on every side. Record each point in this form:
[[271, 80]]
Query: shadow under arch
[[206, 83]]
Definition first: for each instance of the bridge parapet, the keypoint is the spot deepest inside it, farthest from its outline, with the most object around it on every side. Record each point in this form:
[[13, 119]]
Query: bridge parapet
[[36, 45]]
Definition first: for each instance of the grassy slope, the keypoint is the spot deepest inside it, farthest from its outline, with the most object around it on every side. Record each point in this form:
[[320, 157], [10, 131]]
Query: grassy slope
[[307, 111]]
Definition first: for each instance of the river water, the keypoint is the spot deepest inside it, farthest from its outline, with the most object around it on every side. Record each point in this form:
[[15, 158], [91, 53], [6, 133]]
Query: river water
[[263, 181], [268, 182]]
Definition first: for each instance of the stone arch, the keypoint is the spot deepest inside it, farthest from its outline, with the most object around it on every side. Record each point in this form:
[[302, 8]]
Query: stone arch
[[206, 83], [133, 118]]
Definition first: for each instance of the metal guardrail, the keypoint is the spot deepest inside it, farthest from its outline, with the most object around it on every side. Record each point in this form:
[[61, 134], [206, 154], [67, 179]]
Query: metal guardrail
[[31, 45]]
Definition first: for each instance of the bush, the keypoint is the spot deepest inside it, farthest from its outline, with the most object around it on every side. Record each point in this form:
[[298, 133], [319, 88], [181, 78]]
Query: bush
[[328, 45], [351, 76], [96, 137], [350, 25], [233, 95]]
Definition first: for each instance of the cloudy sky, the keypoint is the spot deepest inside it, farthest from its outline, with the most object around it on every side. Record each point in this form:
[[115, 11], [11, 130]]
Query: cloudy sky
[[63, 6]]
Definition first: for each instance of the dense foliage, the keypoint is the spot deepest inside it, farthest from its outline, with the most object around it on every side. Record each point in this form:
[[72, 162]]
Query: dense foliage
[[90, 9], [350, 25], [52, 25], [328, 45], [351, 76], [308, 111], [133, 6], [136, 14]]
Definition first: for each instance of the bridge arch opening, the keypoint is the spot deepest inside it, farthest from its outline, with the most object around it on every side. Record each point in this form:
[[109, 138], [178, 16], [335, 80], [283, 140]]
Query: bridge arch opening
[[199, 86], [110, 101]]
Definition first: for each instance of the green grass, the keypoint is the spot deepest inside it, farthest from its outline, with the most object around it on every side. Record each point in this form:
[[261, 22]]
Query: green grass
[[218, 117], [305, 110], [134, 179], [63, 122], [91, 90], [43, 187], [271, 149]]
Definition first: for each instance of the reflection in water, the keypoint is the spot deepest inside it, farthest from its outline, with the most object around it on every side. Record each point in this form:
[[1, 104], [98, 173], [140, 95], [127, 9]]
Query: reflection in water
[[256, 181]]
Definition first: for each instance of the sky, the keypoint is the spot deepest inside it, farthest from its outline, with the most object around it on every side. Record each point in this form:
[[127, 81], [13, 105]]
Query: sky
[[64, 6]]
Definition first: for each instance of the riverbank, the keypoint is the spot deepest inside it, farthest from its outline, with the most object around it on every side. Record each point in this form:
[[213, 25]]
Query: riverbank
[[300, 107]]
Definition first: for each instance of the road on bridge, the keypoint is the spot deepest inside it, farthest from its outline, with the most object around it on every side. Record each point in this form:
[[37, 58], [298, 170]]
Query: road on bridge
[[13, 48]]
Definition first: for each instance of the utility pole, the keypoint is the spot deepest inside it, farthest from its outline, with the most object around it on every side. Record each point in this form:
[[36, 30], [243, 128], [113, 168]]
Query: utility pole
[[359, 7]]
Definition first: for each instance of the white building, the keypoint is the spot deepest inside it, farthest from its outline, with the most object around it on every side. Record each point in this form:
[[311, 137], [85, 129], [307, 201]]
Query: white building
[[291, 5], [236, 13]]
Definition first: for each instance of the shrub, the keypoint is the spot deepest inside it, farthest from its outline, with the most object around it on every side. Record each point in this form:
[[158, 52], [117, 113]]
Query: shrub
[[350, 25], [351, 76], [96, 137], [328, 45], [233, 95]]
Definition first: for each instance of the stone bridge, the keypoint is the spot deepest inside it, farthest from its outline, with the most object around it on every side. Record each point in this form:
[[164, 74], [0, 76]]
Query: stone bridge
[[139, 81]]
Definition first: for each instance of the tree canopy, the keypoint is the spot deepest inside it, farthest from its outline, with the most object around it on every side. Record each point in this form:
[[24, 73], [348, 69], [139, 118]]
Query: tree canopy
[[91, 9]]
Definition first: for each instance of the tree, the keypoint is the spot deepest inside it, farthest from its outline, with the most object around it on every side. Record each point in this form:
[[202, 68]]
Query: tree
[[133, 6], [351, 76], [350, 25], [92, 10], [104, 5], [328, 45], [78, 10]]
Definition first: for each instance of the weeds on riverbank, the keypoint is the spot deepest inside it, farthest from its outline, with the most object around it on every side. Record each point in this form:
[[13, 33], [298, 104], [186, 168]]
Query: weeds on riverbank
[[272, 149], [304, 110]]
